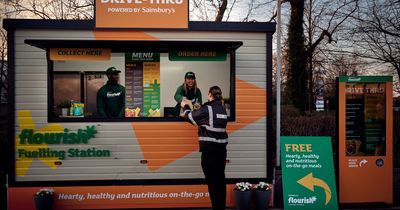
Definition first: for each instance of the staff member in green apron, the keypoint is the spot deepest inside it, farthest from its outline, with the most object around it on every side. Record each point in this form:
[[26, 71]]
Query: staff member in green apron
[[189, 91], [111, 97]]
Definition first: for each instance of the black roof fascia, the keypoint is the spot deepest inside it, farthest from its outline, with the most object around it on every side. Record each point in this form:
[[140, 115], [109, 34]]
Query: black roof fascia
[[137, 44], [13, 24]]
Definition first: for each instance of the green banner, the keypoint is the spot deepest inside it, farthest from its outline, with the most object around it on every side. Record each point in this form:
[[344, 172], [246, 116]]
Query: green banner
[[356, 79], [308, 173], [196, 55]]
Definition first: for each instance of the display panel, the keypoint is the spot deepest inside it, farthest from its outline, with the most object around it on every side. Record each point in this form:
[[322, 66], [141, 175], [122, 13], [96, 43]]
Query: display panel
[[365, 119]]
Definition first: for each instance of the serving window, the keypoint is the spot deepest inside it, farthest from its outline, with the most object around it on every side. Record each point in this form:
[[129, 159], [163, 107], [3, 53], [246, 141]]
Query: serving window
[[149, 77]]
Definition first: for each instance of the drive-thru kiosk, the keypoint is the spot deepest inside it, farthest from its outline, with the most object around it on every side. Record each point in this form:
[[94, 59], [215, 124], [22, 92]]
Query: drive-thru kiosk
[[149, 158], [365, 127]]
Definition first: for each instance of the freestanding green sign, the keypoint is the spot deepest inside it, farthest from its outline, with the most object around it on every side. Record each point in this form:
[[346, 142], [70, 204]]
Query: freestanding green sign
[[308, 173]]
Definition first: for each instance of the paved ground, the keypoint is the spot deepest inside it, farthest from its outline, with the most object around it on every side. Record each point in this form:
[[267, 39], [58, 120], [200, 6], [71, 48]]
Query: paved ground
[[347, 208], [365, 207]]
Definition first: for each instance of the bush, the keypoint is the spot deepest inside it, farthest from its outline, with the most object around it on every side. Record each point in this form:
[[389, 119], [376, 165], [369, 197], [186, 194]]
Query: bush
[[293, 123]]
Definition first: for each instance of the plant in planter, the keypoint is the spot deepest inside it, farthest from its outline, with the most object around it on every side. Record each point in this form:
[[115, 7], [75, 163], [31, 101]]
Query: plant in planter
[[262, 194], [64, 106], [44, 199], [242, 195]]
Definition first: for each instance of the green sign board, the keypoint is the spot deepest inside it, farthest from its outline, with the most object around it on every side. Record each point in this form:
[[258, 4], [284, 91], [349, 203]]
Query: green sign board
[[197, 55], [365, 79], [308, 173]]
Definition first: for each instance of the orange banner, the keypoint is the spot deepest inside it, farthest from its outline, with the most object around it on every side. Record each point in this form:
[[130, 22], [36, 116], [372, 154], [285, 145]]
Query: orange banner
[[141, 14], [83, 54], [115, 197]]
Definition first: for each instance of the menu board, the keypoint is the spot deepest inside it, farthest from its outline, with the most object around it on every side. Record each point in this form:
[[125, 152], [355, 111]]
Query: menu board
[[142, 84], [151, 88], [134, 86], [365, 119]]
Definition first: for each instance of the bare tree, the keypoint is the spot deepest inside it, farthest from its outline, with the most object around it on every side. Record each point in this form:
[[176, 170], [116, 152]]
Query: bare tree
[[221, 8], [376, 32], [3, 57], [3, 67], [44, 9], [209, 9], [325, 19], [51, 9], [233, 10], [258, 8], [321, 20]]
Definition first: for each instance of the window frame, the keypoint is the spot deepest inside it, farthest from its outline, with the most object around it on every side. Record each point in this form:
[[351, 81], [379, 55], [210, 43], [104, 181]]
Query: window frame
[[229, 47]]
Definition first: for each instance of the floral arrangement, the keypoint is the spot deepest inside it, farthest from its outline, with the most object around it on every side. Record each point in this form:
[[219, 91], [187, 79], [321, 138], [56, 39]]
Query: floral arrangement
[[262, 186], [44, 192], [243, 186]]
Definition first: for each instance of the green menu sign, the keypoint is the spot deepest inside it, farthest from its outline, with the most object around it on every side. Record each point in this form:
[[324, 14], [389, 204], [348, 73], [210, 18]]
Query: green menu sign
[[142, 84], [308, 174], [197, 55]]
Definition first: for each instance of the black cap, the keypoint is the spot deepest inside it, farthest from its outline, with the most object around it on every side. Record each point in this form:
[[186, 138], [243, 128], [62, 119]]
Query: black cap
[[190, 74], [112, 70]]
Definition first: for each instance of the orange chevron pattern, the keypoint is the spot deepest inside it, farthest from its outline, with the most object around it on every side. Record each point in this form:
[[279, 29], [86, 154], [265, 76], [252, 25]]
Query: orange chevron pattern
[[165, 142]]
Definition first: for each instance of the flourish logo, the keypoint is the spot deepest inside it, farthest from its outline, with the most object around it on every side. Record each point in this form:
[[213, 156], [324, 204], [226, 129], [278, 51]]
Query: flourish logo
[[354, 79], [305, 200]]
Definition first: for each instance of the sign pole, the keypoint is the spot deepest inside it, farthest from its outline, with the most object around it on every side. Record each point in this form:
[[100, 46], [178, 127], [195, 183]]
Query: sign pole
[[278, 89], [278, 84]]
